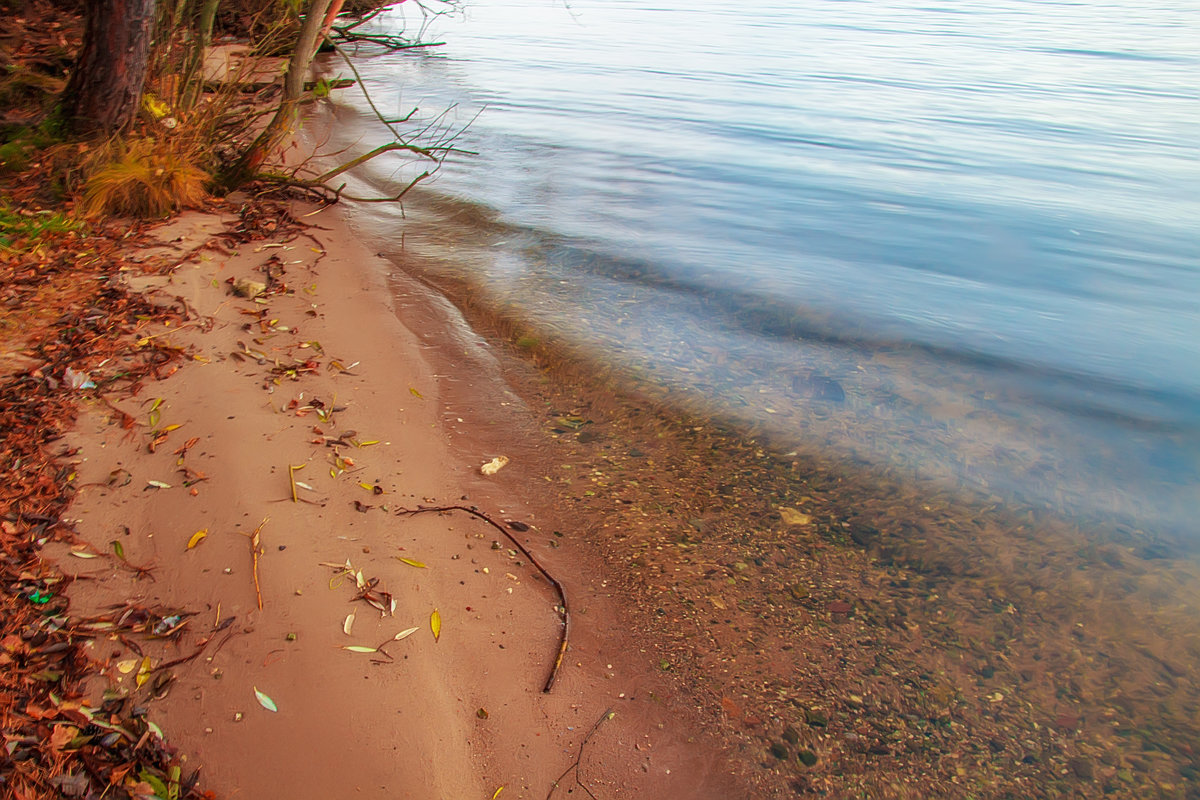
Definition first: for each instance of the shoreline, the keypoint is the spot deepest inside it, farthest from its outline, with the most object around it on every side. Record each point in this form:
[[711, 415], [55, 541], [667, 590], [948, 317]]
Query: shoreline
[[1036, 661], [460, 713], [761, 626]]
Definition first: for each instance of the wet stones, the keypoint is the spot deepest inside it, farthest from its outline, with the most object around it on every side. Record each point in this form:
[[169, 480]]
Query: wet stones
[[818, 387]]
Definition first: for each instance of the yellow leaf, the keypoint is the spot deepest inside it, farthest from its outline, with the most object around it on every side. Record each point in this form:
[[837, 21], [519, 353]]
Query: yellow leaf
[[416, 394], [412, 562], [358, 648], [169, 428], [127, 666], [435, 624], [197, 538], [81, 554], [367, 486], [348, 625], [143, 673], [497, 793]]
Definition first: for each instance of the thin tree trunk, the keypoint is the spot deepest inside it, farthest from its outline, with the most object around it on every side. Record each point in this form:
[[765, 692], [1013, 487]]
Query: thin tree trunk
[[283, 124], [105, 88]]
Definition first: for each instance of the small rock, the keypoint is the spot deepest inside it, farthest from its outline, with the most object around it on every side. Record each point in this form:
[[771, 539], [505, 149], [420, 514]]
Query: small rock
[[815, 718], [244, 287], [1082, 768], [819, 387], [790, 735], [779, 750], [807, 757], [798, 592]]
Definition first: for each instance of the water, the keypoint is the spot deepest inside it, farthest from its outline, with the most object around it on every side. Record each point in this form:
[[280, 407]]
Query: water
[[953, 238]]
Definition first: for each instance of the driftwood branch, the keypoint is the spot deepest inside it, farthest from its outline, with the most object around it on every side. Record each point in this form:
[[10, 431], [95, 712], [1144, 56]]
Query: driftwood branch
[[562, 595], [607, 715]]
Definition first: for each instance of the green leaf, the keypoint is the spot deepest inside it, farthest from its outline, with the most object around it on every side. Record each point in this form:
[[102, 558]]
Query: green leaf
[[155, 782], [264, 701]]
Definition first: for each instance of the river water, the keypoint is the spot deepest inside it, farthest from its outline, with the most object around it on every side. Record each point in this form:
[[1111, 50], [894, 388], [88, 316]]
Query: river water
[[953, 238]]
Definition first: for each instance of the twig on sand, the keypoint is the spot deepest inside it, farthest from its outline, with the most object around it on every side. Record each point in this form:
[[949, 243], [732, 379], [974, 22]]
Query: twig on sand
[[607, 715], [256, 551], [562, 594]]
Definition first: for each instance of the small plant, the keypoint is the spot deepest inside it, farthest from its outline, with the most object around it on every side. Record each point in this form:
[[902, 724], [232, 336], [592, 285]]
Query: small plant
[[143, 178], [19, 228]]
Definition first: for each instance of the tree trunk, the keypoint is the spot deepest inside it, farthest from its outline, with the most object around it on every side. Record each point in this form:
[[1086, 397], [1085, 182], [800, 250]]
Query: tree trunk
[[105, 87], [283, 124]]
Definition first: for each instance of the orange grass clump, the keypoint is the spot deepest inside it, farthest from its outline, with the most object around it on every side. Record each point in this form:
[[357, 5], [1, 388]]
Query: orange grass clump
[[148, 178]]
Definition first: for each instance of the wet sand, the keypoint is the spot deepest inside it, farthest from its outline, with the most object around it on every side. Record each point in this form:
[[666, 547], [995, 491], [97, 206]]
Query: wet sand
[[303, 421], [852, 632], [763, 624]]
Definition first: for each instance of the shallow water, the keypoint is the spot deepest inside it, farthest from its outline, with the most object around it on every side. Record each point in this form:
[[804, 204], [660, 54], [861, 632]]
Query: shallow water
[[956, 239]]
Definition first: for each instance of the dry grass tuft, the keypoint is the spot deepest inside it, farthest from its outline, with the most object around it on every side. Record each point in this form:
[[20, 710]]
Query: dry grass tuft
[[148, 178]]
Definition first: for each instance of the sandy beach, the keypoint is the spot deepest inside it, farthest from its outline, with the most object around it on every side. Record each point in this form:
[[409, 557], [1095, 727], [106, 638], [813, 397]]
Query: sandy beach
[[323, 521], [308, 416]]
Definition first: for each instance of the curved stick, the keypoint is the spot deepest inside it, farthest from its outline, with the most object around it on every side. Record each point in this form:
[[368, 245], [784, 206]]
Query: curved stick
[[562, 595]]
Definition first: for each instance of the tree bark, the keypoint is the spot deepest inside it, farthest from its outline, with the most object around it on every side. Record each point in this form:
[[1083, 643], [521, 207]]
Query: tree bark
[[283, 124], [105, 88]]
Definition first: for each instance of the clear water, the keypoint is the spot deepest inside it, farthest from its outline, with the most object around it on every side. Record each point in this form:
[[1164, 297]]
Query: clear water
[[979, 220]]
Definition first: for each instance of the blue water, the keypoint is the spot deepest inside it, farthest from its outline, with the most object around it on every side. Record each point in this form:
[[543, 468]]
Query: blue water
[[980, 219]]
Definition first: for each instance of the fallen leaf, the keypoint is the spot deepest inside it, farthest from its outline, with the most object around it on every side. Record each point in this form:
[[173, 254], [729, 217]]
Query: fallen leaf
[[118, 549], [292, 479], [143, 673], [497, 793], [416, 394], [358, 648], [435, 624], [348, 625], [265, 701], [81, 554], [404, 634], [158, 485], [197, 538], [412, 562], [127, 666]]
